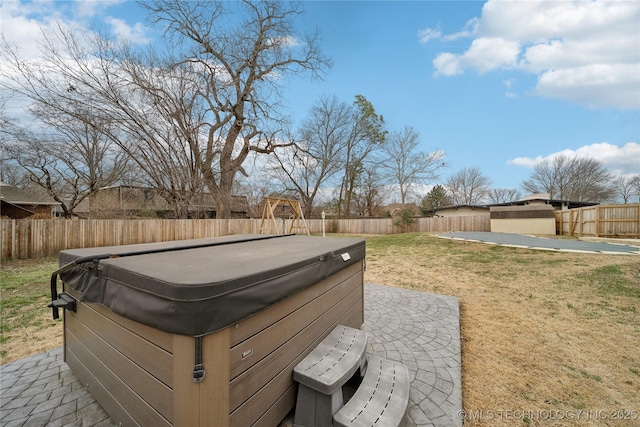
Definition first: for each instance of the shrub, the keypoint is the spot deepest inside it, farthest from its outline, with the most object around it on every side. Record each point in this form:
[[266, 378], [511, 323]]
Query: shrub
[[404, 218]]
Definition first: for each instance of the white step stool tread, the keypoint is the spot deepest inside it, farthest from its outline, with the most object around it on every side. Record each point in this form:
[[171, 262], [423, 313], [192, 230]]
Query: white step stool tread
[[380, 400], [333, 361]]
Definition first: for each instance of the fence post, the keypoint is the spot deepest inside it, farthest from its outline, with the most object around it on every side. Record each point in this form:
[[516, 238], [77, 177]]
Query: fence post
[[571, 223], [581, 219]]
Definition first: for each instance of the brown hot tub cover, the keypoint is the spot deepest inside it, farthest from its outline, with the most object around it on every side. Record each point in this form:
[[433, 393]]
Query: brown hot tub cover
[[196, 287]]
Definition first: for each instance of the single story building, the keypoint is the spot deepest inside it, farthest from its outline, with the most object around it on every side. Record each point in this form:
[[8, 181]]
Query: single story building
[[461, 210], [17, 203], [535, 214], [128, 201]]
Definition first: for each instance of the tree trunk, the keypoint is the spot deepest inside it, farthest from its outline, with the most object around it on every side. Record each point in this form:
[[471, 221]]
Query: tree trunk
[[224, 196]]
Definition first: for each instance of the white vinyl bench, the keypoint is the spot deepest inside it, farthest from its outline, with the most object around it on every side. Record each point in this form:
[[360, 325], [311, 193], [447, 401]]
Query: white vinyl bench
[[380, 400], [323, 372]]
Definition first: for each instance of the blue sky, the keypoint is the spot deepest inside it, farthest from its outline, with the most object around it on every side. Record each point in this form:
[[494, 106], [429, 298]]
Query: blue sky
[[497, 85]]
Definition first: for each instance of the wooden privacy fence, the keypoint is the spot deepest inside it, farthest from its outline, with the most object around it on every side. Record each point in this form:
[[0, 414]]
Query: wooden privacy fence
[[621, 221], [38, 238]]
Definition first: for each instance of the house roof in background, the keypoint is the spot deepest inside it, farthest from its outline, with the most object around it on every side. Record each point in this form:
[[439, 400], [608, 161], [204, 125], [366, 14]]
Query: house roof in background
[[82, 208], [206, 201], [528, 199], [486, 207], [570, 204], [17, 196]]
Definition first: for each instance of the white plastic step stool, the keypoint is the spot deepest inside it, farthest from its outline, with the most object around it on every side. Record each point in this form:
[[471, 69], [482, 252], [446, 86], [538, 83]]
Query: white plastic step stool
[[324, 371]]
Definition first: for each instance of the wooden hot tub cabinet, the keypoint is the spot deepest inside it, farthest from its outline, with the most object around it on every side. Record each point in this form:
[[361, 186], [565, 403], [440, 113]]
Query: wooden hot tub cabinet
[[142, 375]]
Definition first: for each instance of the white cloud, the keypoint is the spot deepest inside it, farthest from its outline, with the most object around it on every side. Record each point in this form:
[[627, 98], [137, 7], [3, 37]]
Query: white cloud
[[583, 52], [622, 160], [429, 34], [508, 84], [285, 41], [596, 85], [485, 54], [24, 23], [123, 31], [448, 64], [20, 27], [89, 8]]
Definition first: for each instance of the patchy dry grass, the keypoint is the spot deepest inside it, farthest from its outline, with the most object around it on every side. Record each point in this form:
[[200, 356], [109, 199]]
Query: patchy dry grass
[[26, 326], [541, 331]]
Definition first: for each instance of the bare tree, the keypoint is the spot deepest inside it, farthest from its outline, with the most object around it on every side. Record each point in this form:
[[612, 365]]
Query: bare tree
[[299, 173], [66, 157], [255, 188], [369, 194], [468, 186], [319, 155], [404, 165], [11, 173], [141, 105], [336, 137], [503, 195], [627, 187], [189, 119], [635, 182], [571, 178], [239, 67], [160, 120]]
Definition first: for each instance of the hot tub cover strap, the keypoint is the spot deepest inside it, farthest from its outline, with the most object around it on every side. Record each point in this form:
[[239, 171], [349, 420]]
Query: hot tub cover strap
[[198, 369]]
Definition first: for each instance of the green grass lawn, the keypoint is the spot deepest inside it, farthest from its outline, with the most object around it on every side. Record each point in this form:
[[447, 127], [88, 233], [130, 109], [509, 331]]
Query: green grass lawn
[[24, 295]]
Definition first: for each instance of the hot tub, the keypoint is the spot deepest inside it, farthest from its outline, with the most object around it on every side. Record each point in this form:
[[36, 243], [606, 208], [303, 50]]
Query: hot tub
[[204, 332]]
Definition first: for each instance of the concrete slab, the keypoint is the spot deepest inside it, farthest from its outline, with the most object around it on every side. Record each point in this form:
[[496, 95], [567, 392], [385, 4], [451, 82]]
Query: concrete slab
[[420, 330], [542, 243]]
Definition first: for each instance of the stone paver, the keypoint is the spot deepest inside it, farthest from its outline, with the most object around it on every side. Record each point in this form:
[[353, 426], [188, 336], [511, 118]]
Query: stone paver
[[417, 329], [40, 390], [422, 331]]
